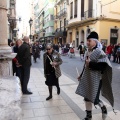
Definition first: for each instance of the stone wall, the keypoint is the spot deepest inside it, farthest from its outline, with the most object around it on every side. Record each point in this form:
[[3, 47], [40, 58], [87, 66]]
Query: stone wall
[[10, 98]]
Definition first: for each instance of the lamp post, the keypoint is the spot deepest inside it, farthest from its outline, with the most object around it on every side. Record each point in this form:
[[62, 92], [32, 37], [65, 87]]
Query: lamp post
[[43, 31], [30, 23]]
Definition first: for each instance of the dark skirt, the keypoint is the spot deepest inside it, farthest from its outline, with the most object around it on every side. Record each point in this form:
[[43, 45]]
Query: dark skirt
[[51, 80]]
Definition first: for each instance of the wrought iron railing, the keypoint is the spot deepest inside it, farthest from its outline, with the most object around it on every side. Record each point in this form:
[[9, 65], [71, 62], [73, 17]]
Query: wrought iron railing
[[89, 14], [62, 29], [62, 12]]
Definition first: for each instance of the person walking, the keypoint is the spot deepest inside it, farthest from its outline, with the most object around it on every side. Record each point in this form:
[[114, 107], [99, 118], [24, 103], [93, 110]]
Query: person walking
[[118, 54], [96, 76], [35, 51], [82, 49], [24, 60], [115, 52], [52, 72], [110, 50]]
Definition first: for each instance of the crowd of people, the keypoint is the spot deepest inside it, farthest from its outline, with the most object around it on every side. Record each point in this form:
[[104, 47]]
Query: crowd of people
[[92, 80]]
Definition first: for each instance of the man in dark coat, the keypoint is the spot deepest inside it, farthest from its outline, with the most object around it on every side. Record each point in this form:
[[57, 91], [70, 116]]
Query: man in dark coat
[[24, 59], [35, 51]]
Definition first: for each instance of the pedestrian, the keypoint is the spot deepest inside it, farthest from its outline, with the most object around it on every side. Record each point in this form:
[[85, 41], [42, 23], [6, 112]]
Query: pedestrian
[[103, 47], [52, 72], [17, 68], [110, 50], [82, 49], [118, 54], [115, 52], [35, 51], [96, 76], [24, 60]]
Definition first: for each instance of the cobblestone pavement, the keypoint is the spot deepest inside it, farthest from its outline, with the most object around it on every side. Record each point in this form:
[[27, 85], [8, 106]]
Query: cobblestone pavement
[[67, 105]]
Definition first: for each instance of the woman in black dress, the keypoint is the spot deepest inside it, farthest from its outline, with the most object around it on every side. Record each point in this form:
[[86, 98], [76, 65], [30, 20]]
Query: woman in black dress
[[52, 70]]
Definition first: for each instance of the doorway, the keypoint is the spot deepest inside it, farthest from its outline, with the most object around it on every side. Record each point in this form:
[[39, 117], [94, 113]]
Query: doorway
[[113, 36], [70, 37]]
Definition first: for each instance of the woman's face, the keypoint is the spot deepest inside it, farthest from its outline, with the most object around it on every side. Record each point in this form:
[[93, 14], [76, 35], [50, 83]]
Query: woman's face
[[49, 49]]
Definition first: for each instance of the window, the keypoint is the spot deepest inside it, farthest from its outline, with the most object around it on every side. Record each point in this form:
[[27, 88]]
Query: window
[[82, 9], [90, 8], [75, 9], [71, 10], [51, 29], [47, 30], [51, 17], [60, 25], [64, 5], [64, 24]]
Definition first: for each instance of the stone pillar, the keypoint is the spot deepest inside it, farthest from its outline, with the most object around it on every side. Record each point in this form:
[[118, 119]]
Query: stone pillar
[[3, 23], [6, 54]]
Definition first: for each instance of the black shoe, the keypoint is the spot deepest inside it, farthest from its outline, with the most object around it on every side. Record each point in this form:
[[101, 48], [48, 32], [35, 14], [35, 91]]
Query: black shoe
[[27, 93], [58, 90], [88, 115], [104, 112], [87, 119], [48, 98]]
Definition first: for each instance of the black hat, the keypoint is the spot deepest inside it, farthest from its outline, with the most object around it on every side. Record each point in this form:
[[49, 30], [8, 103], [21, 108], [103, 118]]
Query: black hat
[[93, 35]]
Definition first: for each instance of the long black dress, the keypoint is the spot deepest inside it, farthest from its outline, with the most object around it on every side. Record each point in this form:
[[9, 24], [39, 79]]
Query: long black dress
[[51, 79]]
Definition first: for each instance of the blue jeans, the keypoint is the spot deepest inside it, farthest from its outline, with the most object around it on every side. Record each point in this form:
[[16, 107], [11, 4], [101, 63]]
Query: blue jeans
[[109, 56]]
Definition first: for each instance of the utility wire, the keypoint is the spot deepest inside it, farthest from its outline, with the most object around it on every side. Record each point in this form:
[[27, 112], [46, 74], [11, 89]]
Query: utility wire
[[109, 3]]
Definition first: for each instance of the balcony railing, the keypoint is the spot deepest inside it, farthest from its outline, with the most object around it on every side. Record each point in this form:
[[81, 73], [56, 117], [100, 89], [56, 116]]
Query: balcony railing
[[55, 17], [62, 12], [57, 2], [62, 29], [89, 14]]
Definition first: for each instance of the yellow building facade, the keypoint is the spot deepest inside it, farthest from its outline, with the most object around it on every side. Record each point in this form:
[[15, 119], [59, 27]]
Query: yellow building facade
[[102, 17], [60, 21]]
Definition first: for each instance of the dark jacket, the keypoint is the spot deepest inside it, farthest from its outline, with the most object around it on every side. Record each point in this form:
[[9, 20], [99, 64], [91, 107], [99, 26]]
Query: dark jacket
[[23, 55], [57, 59], [82, 50], [35, 51]]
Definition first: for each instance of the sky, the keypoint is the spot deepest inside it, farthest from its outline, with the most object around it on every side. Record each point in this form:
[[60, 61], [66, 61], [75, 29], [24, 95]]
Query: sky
[[23, 11]]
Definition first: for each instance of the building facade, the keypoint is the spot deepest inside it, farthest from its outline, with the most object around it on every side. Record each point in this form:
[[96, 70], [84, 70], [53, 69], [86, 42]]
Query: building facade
[[11, 13], [49, 20], [60, 19], [42, 31], [86, 16], [38, 8]]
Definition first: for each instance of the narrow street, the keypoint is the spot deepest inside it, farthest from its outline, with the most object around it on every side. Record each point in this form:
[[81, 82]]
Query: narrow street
[[68, 105]]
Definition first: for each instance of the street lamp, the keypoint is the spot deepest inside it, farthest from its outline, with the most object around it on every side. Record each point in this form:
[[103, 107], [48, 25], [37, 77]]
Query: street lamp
[[30, 23], [43, 31]]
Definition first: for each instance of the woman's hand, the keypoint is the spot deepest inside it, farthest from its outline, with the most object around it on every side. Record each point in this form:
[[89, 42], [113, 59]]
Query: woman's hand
[[87, 62], [54, 64]]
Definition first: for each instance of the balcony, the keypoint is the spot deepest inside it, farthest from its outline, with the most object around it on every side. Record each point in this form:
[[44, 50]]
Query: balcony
[[12, 1], [42, 21], [61, 13], [61, 32], [88, 14], [57, 2]]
